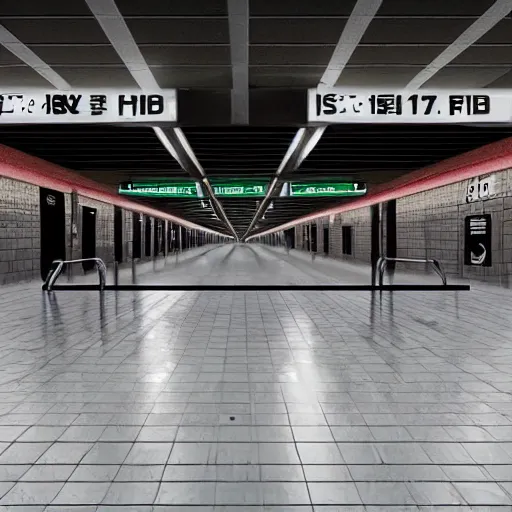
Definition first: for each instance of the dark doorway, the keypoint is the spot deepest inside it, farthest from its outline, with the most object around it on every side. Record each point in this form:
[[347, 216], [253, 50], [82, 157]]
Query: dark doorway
[[290, 238], [137, 235], [157, 237], [346, 239], [326, 240], [147, 237], [88, 236], [53, 228], [314, 238], [118, 234]]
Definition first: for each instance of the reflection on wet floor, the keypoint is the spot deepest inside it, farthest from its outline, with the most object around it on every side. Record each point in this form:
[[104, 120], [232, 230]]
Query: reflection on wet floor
[[255, 399]]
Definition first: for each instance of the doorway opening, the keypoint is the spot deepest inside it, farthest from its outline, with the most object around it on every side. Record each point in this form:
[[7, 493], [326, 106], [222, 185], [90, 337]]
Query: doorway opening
[[147, 238], [137, 235], [326, 240], [118, 234], [346, 240], [88, 236], [53, 228], [314, 238]]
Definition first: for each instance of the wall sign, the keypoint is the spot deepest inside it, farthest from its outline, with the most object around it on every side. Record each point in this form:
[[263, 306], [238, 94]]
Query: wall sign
[[348, 105], [481, 188], [87, 106], [477, 240]]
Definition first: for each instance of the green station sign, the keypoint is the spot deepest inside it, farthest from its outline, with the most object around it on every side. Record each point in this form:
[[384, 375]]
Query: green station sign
[[190, 188], [327, 189], [240, 189], [182, 189]]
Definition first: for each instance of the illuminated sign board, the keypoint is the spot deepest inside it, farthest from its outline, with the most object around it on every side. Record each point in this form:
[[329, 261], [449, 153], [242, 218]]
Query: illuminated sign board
[[87, 106], [240, 189], [182, 189], [191, 189], [354, 105], [327, 189]]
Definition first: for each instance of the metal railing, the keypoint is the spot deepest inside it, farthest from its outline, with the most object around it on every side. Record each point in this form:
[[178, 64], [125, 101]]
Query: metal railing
[[58, 266], [383, 261]]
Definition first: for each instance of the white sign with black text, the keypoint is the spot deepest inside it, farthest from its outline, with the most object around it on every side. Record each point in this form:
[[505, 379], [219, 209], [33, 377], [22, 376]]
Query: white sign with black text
[[481, 188], [87, 106], [349, 105]]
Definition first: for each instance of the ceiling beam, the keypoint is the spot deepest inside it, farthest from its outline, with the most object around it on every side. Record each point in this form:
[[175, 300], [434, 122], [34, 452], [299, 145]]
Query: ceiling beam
[[174, 140], [238, 19], [354, 29], [306, 139], [10, 42], [480, 27], [302, 144]]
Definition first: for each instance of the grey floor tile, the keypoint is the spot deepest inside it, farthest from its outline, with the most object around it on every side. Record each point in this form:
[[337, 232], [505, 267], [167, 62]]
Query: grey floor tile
[[359, 453], [154, 434], [338, 493], [82, 493], [282, 473], [41, 434], [149, 453], [119, 433], [349, 434], [239, 493], [327, 473], [194, 472], [82, 433], [129, 473], [23, 453], [48, 473], [11, 472], [388, 493], [193, 453], [402, 453], [64, 453], [186, 493], [126, 493], [31, 493], [94, 473], [107, 453], [312, 434], [434, 493], [319, 453], [11, 433], [481, 493]]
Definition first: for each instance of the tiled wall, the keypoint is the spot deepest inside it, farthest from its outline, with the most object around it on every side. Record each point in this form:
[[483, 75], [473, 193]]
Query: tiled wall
[[19, 231], [431, 225]]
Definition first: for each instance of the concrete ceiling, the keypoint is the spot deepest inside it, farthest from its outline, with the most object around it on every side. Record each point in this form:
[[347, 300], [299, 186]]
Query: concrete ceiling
[[237, 62]]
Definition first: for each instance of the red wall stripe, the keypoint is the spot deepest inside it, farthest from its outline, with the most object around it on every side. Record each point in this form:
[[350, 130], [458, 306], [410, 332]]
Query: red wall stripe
[[19, 166], [493, 157]]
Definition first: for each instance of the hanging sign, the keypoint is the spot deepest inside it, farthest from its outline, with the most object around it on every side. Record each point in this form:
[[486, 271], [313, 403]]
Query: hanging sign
[[87, 106], [327, 189], [477, 241], [348, 105], [185, 189]]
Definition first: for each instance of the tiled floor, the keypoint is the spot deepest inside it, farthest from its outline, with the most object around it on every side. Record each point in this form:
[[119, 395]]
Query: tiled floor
[[279, 401]]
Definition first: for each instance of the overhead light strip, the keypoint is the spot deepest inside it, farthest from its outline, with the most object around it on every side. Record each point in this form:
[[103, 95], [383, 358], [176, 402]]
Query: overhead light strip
[[238, 20], [352, 33], [113, 24], [480, 27], [10, 42]]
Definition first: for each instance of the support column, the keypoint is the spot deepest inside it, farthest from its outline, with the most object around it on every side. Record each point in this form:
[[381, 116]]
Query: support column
[[375, 239], [391, 242]]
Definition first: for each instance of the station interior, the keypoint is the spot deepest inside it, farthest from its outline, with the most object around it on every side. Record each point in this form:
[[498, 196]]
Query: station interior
[[256, 256]]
